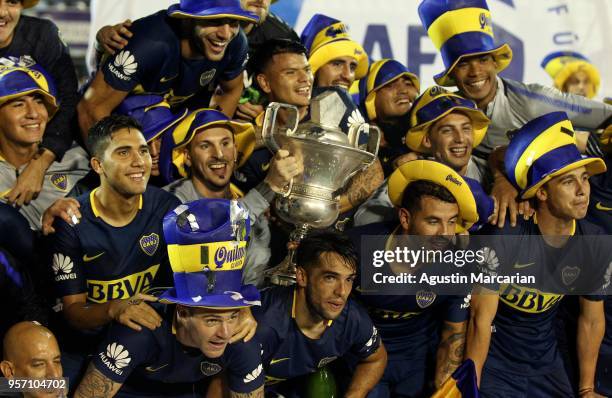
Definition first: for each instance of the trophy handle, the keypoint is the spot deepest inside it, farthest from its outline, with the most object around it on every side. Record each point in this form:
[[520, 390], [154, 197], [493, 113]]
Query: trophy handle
[[269, 127]]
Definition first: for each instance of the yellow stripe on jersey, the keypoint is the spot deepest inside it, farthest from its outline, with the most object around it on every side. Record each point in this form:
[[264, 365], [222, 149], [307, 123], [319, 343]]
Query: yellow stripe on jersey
[[122, 288]]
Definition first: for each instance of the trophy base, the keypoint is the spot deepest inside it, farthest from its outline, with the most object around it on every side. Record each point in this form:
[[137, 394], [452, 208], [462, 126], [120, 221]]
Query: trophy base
[[283, 274]]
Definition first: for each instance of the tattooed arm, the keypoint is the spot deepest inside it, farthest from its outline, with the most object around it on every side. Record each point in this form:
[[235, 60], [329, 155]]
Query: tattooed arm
[[259, 393], [450, 350], [361, 186], [96, 385]]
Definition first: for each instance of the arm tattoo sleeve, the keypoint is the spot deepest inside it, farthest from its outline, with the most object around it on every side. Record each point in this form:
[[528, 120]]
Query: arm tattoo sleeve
[[96, 385]]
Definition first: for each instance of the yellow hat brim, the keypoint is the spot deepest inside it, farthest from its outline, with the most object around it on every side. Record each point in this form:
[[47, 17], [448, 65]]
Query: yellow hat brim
[[572, 67], [440, 174], [502, 56], [416, 135], [337, 49], [593, 166]]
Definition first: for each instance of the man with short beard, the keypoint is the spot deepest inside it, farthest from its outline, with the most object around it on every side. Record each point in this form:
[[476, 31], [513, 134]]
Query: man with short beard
[[201, 46], [511, 336], [509, 104], [208, 147], [423, 332], [310, 325]]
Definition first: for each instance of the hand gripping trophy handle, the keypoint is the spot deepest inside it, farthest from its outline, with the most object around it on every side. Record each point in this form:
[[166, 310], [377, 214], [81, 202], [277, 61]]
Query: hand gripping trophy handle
[[270, 127]]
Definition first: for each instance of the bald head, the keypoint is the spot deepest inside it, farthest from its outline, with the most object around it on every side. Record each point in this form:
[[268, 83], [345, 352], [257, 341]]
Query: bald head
[[30, 350]]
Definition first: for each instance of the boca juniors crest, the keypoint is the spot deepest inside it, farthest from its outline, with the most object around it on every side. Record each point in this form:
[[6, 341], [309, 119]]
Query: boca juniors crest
[[59, 181], [149, 243]]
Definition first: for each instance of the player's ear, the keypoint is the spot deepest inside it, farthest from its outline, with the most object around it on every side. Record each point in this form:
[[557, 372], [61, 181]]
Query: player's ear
[[182, 312], [301, 277], [96, 165], [262, 80], [7, 369], [187, 155], [427, 138], [541, 194], [404, 217]]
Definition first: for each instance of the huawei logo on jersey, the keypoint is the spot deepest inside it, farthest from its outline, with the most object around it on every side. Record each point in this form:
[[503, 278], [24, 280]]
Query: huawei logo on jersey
[[116, 357], [62, 267], [124, 65]]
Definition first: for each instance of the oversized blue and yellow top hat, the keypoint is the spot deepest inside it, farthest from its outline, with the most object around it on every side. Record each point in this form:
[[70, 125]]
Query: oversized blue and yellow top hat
[[434, 104], [461, 29], [326, 39], [152, 112], [380, 74], [560, 65], [17, 81], [438, 173], [485, 206], [211, 9], [172, 152], [542, 149], [207, 249]]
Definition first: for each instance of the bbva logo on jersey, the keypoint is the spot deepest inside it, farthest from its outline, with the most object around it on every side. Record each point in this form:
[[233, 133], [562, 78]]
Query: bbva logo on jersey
[[116, 357], [62, 267], [101, 291]]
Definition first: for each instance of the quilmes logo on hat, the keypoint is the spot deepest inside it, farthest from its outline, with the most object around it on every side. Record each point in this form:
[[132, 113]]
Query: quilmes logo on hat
[[437, 90], [59, 181], [149, 243], [453, 180], [335, 30], [225, 255], [485, 21]]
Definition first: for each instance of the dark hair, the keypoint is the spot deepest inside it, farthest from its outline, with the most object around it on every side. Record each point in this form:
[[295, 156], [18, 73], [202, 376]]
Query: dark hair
[[101, 133], [315, 244], [413, 193], [264, 53]]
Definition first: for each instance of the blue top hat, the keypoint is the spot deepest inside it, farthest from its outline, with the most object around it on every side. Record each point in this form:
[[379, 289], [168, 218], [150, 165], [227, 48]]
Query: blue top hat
[[207, 249], [211, 9], [153, 113], [326, 39], [460, 29], [380, 74], [171, 152], [542, 149], [17, 81]]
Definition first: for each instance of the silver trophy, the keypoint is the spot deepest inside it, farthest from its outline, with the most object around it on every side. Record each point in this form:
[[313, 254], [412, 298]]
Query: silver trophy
[[330, 157]]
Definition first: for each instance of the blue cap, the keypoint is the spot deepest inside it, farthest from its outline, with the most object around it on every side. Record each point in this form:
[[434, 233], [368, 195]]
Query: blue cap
[[18, 81], [152, 112], [211, 9]]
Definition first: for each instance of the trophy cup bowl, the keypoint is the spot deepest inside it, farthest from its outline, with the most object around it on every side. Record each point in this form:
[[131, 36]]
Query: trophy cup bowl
[[330, 158]]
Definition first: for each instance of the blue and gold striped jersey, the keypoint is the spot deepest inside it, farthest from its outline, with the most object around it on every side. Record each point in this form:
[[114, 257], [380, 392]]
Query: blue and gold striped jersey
[[288, 353], [109, 262], [151, 63]]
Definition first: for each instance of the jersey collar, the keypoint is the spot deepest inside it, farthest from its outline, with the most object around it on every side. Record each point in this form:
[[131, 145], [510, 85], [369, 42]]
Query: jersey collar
[[94, 209], [535, 221]]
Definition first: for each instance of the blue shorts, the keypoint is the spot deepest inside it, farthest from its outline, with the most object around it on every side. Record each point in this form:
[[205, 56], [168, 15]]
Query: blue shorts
[[497, 383], [402, 381], [603, 377]]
